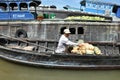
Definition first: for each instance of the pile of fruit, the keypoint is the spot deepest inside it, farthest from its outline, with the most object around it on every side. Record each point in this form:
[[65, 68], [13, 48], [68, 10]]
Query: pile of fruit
[[94, 18], [86, 48]]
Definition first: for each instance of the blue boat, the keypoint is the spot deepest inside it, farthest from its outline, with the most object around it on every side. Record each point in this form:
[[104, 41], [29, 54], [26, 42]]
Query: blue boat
[[97, 7], [17, 9], [21, 10]]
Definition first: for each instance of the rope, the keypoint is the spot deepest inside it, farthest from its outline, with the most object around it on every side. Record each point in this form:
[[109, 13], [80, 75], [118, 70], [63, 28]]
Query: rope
[[27, 42]]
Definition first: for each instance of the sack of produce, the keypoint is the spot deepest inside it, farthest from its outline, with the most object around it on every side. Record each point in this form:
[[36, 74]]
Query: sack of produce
[[86, 48], [97, 50]]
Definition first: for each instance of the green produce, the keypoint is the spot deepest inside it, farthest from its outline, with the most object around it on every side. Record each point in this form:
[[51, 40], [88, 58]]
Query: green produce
[[95, 18]]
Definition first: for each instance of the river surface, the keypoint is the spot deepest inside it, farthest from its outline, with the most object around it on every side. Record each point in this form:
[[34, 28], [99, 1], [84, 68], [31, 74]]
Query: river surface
[[12, 71]]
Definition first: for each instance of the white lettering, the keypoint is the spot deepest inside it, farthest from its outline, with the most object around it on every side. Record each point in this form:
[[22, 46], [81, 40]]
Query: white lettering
[[18, 15]]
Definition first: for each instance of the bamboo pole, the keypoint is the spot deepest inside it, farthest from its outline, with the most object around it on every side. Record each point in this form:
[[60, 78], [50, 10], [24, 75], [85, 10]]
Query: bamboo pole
[[27, 42]]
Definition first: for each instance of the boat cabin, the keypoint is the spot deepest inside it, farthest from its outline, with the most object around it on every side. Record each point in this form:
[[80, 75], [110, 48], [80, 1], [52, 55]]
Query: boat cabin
[[17, 9], [99, 7]]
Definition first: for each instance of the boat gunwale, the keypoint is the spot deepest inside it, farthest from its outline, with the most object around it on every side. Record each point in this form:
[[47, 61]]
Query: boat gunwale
[[49, 54]]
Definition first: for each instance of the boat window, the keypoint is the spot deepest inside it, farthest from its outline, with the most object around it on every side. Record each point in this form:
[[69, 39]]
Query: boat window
[[23, 6], [72, 30], [114, 10], [3, 7], [106, 6], [13, 6], [109, 7], [99, 6], [88, 5], [53, 7], [83, 3], [94, 5], [35, 3], [80, 30], [102, 6], [62, 30]]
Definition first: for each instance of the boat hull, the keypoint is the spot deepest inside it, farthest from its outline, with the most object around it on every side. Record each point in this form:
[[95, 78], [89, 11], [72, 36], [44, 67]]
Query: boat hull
[[60, 61]]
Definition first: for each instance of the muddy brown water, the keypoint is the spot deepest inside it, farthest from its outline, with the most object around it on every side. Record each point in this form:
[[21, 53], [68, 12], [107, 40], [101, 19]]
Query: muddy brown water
[[12, 71]]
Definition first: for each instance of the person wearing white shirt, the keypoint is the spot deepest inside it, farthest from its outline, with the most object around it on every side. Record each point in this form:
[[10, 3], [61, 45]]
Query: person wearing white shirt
[[64, 42]]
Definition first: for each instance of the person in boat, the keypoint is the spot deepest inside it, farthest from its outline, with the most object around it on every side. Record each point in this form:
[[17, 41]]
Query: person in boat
[[64, 42]]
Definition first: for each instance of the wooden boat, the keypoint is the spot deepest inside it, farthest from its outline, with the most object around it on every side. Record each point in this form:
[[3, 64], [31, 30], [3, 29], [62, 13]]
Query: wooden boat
[[29, 39], [28, 52]]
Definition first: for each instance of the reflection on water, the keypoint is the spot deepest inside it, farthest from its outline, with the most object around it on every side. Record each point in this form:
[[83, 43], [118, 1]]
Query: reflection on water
[[10, 71]]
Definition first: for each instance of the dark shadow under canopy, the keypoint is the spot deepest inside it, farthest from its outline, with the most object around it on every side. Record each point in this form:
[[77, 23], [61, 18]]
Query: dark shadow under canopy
[[35, 3]]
